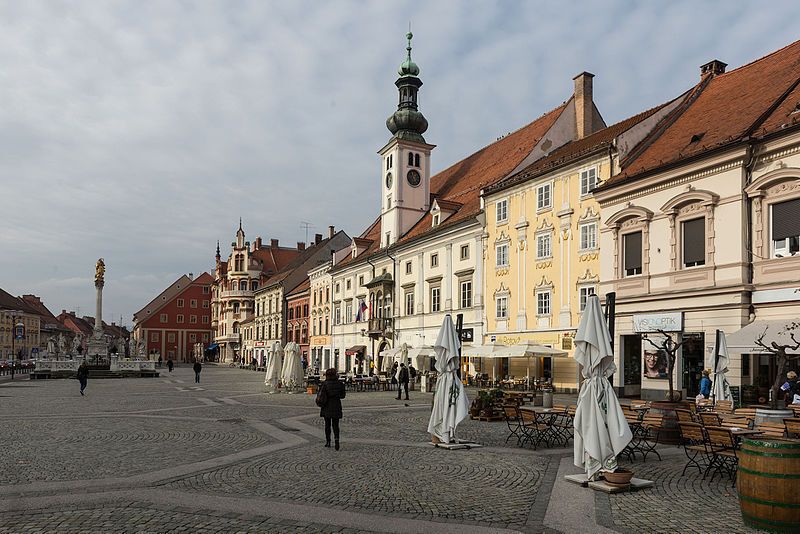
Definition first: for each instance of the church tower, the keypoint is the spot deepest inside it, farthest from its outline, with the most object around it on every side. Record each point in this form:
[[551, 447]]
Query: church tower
[[405, 160]]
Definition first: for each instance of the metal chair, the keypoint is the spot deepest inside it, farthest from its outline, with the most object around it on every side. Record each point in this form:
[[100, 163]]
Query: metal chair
[[723, 448], [792, 427], [513, 421], [710, 419], [695, 446]]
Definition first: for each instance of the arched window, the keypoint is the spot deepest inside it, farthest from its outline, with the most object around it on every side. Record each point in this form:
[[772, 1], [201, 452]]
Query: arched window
[[253, 285], [410, 159], [243, 285], [416, 160], [235, 328]]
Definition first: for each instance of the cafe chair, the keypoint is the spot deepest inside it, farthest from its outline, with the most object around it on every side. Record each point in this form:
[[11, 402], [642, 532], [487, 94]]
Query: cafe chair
[[723, 449], [792, 427], [695, 446], [511, 413], [710, 419]]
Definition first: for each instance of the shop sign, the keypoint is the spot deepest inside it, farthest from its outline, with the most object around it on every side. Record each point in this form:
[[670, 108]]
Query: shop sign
[[467, 335], [653, 322]]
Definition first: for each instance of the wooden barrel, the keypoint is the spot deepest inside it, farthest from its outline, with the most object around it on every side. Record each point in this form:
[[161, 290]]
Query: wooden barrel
[[768, 481]]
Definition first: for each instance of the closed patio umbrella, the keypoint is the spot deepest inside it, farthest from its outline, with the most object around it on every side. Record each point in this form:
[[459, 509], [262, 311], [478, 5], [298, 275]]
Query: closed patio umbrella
[[450, 403], [292, 372], [721, 389], [601, 431], [274, 364]]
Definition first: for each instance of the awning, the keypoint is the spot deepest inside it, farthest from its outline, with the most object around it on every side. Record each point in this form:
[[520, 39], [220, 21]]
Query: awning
[[355, 349], [743, 341], [213, 346], [523, 350]]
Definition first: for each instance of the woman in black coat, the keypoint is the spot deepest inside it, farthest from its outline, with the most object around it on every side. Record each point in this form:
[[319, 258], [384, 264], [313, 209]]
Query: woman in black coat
[[329, 400]]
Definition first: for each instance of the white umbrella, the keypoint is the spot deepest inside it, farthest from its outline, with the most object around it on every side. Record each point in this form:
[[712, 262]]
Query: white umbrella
[[292, 372], [497, 350], [601, 431], [274, 363], [450, 403], [721, 390], [389, 357]]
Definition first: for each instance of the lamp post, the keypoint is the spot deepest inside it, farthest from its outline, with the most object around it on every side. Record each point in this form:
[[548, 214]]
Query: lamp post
[[17, 332]]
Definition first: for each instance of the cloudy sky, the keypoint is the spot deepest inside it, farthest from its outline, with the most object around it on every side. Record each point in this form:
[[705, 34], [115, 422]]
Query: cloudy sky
[[141, 131]]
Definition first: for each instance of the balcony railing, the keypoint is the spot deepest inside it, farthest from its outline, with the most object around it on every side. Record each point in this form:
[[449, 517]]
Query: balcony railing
[[236, 293], [379, 326]]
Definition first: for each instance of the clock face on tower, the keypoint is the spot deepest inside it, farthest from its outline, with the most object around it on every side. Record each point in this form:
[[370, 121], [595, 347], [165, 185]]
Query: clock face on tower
[[413, 178], [388, 180]]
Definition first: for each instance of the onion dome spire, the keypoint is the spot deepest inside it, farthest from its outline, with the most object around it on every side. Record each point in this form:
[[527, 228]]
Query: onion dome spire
[[407, 122]]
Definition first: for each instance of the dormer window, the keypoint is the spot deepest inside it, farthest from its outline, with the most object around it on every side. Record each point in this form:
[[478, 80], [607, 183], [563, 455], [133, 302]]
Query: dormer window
[[436, 220]]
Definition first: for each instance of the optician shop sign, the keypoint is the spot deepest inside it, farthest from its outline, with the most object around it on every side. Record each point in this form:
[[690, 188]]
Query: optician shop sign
[[653, 322]]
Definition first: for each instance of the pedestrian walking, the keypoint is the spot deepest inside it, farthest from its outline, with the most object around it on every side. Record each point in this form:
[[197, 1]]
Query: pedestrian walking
[[402, 380], [83, 375], [413, 374], [170, 364], [197, 368], [329, 399], [160, 360], [394, 375]]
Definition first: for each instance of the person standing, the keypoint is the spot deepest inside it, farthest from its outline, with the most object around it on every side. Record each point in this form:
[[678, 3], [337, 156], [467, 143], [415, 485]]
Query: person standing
[[83, 375], [160, 360], [197, 368], [394, 375], [705, 385], [170, 364], [329, 400], [402, 380]]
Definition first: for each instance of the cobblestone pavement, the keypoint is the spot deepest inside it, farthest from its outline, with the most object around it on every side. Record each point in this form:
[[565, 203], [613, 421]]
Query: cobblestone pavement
[[167, 455]]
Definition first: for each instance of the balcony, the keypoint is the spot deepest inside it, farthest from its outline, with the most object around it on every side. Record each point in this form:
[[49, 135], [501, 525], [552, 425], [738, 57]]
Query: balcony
[[237, 294], [227, 338], [379, 327]]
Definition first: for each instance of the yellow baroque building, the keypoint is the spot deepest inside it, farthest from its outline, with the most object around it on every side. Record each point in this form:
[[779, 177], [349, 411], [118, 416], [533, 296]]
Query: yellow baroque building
[[542, 245]]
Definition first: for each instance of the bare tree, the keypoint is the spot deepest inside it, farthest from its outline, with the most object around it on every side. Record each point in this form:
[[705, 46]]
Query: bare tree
[[670, 348], [782, 359]]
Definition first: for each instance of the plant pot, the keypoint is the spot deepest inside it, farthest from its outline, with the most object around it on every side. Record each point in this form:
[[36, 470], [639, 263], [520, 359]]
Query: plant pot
[[620, 477], [487, 412]]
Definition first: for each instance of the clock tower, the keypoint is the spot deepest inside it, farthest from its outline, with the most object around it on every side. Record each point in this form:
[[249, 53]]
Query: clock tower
[[405, 160]]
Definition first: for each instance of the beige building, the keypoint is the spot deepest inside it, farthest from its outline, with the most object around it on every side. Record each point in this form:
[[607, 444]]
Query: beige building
[[702, 231], [542, 236], [19, 328]]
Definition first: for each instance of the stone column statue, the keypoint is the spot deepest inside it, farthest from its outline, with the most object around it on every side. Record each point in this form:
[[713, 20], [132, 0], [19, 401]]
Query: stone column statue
[[98, 347], [51, 346]]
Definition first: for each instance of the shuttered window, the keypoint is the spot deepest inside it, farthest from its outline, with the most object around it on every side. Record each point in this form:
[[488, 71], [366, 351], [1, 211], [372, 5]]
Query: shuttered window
[[694, 250], [786, 219], [632, 252]]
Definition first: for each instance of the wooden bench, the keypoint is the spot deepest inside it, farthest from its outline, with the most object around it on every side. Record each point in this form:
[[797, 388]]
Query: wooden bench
[[792, 427]]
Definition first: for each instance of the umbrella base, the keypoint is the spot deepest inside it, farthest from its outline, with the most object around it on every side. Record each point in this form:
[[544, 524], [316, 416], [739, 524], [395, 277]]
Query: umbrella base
[[456, 445], [601, 485]]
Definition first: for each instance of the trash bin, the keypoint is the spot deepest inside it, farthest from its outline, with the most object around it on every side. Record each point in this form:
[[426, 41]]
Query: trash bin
[[423, 384], [547, 398]]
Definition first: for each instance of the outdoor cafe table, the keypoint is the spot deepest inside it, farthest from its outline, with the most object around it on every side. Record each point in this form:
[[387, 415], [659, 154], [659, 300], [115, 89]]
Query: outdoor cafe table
[[546, 417]]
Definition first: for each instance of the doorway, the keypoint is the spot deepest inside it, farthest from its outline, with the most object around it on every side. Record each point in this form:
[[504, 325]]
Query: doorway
[[693, 362], [631, 365]]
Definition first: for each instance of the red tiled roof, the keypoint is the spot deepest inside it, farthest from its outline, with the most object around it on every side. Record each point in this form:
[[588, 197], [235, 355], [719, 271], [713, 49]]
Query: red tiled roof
[[46, 316], [275, 259], [10, 302], [462, 182], [303, 286], [731, 107]]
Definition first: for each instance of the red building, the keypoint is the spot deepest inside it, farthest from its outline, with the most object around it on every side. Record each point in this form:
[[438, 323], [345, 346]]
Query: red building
[[297, 301], [173, 322]]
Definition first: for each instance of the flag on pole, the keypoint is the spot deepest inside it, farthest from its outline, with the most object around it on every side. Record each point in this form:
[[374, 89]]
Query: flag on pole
[[362, 307]]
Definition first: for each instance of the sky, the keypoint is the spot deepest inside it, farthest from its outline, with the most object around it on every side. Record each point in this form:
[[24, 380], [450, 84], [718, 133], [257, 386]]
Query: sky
[[141, 131]]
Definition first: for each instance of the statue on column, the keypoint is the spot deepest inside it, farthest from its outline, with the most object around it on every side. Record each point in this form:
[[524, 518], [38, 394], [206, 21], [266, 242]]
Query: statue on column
[[51, 346], [63, 344], [77, 343], [99, 272]]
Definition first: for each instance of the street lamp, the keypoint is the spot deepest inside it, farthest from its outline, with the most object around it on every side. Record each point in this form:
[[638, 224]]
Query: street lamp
[[17, 332]]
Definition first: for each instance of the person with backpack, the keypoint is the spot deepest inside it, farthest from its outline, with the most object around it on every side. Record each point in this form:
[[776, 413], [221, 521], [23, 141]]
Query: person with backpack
[[329, 399], [402, 380]]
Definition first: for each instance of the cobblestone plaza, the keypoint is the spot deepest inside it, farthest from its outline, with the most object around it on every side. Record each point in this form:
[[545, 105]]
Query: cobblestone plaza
[[167, 455]]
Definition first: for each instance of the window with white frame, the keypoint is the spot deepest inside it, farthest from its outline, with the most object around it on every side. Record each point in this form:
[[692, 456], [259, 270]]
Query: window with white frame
[[501, 210], [543, 303], [408, 267], [348, 312], [543, 246], [436, 293], [693, 239], [501, 251], [588, 181], [436, 219], [410, 302], [347, 284], [632, 253], [588, 237], [583, 295], [501, 307], [785, 228], [337, 315], [544, 198], [434, 260], [466, 294], [464, 252]]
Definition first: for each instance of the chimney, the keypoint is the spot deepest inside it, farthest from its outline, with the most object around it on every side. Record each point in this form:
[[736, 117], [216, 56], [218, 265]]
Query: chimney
[[191, 277], [317, 239], [301, 245], [712, 68], [63, 312], [584, 107], [257, 244], [273, 243], [331, 231]]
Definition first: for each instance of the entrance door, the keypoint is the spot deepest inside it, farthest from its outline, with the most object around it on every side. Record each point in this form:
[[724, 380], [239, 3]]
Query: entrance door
[[693, 362], [631, 365]]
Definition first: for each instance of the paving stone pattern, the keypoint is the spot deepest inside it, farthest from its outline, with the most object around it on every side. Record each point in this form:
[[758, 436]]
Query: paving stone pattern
[[431, 484]]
